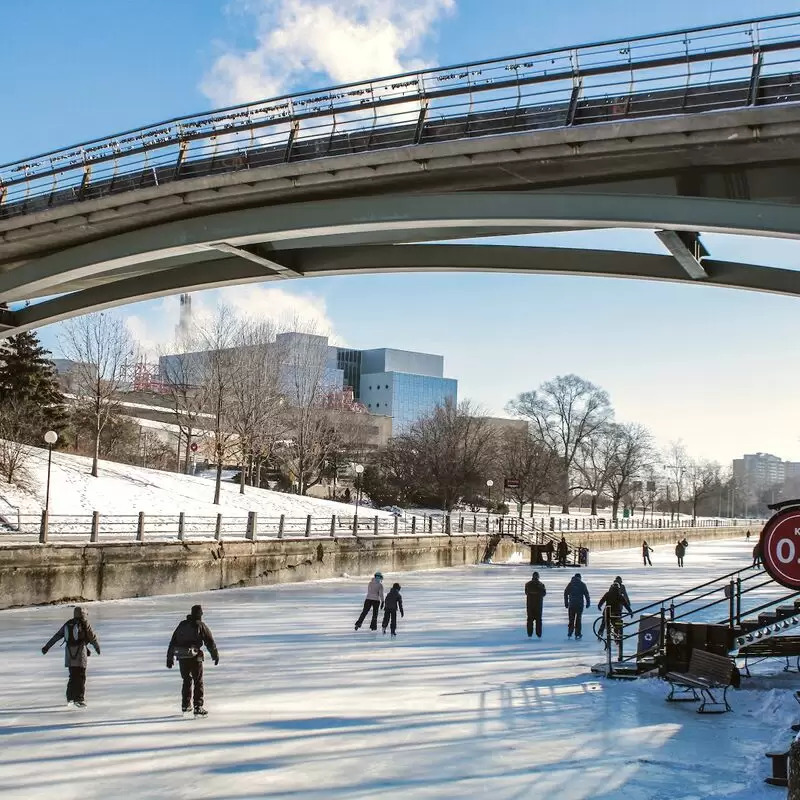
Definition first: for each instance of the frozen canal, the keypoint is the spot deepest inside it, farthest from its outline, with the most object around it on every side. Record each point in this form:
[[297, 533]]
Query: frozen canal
[[461, 705]]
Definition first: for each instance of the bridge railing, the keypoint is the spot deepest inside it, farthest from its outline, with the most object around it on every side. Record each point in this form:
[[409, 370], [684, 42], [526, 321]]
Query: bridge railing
[[701, 69], [98, 527]]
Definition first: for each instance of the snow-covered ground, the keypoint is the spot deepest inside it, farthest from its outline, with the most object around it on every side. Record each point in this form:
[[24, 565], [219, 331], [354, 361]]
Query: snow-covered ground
[[461, 705], [125, 489]]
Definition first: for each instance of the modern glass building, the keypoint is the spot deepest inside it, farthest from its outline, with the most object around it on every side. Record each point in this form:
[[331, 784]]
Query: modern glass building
[[404, 385]]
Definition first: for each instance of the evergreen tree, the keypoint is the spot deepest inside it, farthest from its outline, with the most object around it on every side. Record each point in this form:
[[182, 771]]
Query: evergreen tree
[[28, 382]]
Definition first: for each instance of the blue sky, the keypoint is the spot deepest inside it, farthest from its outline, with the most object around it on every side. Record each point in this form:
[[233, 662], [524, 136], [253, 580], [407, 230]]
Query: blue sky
[[706, 365]]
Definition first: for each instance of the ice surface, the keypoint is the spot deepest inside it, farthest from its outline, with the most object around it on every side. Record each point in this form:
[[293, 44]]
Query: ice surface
[[461, 705]]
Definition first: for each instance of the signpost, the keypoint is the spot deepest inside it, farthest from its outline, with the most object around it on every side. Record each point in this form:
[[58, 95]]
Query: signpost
[[780, 548]]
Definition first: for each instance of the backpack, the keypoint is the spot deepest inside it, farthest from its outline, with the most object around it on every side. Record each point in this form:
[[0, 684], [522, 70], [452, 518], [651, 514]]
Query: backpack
[[74, 633]]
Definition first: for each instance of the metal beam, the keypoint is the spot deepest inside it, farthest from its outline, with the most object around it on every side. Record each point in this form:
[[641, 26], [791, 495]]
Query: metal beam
[[273, 266], [408, 215], [401, 259], [687, 250]]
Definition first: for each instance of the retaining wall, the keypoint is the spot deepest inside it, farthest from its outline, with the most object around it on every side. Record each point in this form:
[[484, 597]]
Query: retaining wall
[[55, 573]]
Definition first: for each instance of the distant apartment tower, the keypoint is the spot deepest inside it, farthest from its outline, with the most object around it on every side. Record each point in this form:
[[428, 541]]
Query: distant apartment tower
[[755, 471]]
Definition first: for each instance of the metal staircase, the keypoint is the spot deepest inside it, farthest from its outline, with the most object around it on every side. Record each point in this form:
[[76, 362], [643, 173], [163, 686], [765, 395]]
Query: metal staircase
[[748, 617], [526, 532]]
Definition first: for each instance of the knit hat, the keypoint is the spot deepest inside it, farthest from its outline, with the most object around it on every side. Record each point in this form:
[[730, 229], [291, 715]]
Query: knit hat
[[618, 579], [379, 576], [78, 613], [577, 576], [397, 586], [197, 612], [536, 576]]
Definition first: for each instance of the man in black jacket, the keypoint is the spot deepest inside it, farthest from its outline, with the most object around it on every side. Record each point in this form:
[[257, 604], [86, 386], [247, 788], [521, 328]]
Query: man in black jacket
[[562, 551], [615, 600], [187, 646], [575, 595], [534, 597]]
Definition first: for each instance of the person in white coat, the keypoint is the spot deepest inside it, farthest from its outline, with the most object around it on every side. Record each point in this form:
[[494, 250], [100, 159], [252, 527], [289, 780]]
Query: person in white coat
[[373, 602]]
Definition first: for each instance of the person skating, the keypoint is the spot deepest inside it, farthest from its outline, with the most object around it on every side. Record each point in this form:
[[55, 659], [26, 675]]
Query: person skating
[[625, 600], [534, 599], [575, 595], [188, 640], [646, 550], [549, 549], [680, 552], [77, 634], [747, 535], [757, 554], [392, 604], [561, 552], [373, 602], [615, 600]]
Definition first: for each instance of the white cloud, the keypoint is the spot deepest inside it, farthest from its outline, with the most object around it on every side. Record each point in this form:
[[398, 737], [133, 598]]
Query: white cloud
[[345, 40], [155, 330]]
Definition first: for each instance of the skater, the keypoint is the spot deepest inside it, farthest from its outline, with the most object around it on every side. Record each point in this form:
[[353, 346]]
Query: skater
[[534, 598], [575, 595], [747, 535], [77, 634], [680, 552], [186, 645], [757, 555], [374, 601], [549, 549], [646, 550], [561, 552], [392, 604], [615, 600], [625, 601]]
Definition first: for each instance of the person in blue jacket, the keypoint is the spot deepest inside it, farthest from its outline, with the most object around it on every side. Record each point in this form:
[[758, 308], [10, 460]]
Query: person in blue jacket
[[575, 595]]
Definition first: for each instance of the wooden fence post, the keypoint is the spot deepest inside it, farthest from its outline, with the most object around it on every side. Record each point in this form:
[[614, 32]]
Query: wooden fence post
[[333, 526], [308, 526], [396, 523], [413, 525], [181, 525], [95, 535], [218, 528], [140, 528], [280, 526], [44, 527]]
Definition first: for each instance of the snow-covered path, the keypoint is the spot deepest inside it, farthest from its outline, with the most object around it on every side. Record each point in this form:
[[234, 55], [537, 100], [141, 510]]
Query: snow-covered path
[[461, 705]]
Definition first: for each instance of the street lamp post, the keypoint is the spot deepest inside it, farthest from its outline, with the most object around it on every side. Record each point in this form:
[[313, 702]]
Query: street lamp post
[[489, 485], [51, 437], [593, 510], [359, 473]]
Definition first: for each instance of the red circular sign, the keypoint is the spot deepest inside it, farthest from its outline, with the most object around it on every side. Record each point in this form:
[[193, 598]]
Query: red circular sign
[[780, 548], [193, 447]]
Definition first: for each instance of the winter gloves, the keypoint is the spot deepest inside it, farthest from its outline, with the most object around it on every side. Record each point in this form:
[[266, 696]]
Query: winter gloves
[[170, 663], [216, 660]]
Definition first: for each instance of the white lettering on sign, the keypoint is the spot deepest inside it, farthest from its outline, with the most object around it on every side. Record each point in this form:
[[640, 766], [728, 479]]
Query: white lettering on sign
[[785, 551]]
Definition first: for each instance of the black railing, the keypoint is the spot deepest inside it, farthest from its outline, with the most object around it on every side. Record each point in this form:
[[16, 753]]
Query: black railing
[[734, 65]]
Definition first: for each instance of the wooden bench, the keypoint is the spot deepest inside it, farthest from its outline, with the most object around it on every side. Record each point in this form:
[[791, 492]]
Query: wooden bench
[[707, 673], [777, 647]]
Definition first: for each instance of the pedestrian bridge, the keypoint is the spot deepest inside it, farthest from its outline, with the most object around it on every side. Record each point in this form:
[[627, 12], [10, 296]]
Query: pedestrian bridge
[[680, 133]]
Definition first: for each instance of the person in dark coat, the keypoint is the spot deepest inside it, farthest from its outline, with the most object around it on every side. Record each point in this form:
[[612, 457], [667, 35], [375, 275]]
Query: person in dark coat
[[188, 640], [77, 634], [575, 595], [680, 552], [625, 601], [550, 550], [561, 552], [615, 600], [757, 554], [534, 598], [646, 550], [392, 604]]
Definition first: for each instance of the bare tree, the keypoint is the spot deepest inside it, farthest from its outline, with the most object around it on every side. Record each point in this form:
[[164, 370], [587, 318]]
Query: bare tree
[[99, 346], [564, 411], [593, 462], [630, 448], [703, 481], [182, 371], [455, 448], [676, 465], [532, 462]]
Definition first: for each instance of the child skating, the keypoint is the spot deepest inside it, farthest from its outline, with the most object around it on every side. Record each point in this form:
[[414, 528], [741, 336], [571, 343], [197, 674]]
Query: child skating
[[392, 604]]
